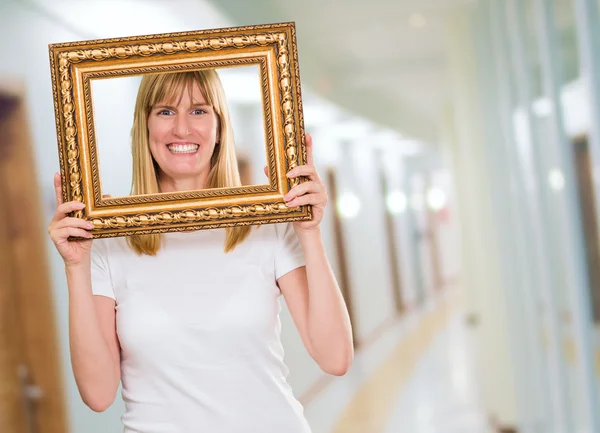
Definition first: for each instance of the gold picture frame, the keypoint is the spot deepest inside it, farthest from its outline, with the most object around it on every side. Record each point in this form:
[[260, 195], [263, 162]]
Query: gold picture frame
[[272, 47]]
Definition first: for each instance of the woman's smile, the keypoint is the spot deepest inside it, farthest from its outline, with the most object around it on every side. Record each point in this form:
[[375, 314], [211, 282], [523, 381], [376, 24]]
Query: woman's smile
[[183, 148]]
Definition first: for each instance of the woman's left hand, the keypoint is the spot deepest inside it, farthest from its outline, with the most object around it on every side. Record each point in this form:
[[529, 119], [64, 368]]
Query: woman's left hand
[[312, 192]]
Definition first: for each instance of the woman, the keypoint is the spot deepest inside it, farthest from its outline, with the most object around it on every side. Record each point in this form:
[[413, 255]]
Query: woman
[[188, 322]]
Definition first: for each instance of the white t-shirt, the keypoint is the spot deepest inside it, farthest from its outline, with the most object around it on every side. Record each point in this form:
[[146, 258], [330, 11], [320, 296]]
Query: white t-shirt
[[200, 331]]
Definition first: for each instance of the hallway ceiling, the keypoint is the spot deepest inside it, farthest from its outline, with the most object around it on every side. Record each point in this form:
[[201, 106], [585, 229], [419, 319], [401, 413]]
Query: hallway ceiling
[[367, 57]]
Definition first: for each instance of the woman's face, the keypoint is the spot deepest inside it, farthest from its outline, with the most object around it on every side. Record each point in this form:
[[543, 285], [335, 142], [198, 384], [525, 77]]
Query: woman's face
[[182, 137]]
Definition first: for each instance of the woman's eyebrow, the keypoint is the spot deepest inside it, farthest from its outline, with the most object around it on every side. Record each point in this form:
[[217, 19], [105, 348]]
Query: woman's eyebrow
[[172, 107]]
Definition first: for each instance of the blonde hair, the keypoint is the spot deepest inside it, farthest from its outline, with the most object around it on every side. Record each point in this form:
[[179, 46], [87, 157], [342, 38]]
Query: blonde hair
[[223, 172]]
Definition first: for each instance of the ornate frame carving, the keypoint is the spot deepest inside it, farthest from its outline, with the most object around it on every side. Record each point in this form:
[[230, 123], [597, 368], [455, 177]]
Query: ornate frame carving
[[272, 47]]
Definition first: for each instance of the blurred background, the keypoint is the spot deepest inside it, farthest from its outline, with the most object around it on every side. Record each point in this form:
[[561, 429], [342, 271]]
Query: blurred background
[[460, 144]]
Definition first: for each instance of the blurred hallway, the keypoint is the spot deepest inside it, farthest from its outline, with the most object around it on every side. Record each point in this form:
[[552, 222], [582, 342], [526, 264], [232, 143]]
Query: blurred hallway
[[443, 394], [425, 384], [459, 141]]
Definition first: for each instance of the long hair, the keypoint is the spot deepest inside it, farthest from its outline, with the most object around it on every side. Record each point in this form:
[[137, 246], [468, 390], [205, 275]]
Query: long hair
[[223, 172]]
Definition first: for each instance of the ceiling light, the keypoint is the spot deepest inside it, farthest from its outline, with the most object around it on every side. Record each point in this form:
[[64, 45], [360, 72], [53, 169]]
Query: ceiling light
[[348, 205], [542, 107], [436, 199], [556, 179], [396, 202]]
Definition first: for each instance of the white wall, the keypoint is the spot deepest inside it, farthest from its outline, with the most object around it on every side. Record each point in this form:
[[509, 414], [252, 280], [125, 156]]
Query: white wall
[[482, 279], [395, 172], [114, 102], [446, 223], [369, 270]]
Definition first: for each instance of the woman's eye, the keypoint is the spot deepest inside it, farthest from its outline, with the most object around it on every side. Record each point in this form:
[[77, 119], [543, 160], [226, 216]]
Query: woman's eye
[[198, 111], [164, 112]]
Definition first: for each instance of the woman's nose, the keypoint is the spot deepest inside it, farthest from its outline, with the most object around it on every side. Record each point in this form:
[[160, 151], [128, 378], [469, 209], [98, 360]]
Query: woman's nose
[[182, 127]]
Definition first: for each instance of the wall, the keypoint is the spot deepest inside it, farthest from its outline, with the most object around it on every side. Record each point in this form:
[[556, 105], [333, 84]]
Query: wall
[[394, 166], [365, 236], [482, 279]]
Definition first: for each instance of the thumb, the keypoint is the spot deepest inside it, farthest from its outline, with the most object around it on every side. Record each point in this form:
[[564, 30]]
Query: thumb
[[266, 170], [58, 189]]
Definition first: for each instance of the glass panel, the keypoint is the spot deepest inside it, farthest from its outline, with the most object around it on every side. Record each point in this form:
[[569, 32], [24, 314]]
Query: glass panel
[[564, 369], [533, 47], [564, 16]]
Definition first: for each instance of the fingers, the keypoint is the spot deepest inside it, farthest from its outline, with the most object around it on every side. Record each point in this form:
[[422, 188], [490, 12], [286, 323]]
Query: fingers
[[69, 207], [309, 149], [308, 199], [62, 234], [65, 208], [304, 170], [308, 169], [74, 222], [61, 230], [307, 188], [69, 222], [58, 189]]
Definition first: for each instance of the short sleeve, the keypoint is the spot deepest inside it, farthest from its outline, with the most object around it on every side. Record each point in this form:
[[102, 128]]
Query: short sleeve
[[288, 254], [101, 281]]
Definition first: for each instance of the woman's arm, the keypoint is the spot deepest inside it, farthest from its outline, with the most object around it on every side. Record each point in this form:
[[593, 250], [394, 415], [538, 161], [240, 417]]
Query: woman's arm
[[95, 352], [312, 293], [318, 309]]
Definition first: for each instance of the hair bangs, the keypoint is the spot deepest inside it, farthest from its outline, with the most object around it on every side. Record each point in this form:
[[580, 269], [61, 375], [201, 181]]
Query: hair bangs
[[168, 88]]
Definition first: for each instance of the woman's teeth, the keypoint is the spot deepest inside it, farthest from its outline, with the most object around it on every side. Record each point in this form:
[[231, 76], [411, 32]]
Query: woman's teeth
[[183, 148]]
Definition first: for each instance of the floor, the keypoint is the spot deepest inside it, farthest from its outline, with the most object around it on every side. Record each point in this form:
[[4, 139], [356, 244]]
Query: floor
[[441, 396], [424, 385]]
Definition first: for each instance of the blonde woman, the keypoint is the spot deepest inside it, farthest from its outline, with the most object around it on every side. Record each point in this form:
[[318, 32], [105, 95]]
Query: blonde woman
[[189, 322]]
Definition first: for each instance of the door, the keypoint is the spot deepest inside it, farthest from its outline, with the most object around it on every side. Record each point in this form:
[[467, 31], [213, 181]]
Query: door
[[391, 238], [585, 189], [31, 395], [341, 248]]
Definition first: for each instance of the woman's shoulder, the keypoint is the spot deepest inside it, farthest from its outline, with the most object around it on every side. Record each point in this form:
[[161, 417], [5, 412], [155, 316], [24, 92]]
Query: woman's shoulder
[[284, 230], [107, 246], [275, 236], [274, 231]]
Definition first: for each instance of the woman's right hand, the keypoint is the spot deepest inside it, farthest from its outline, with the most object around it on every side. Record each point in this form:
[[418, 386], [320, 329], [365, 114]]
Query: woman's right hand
[[62, 226]]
